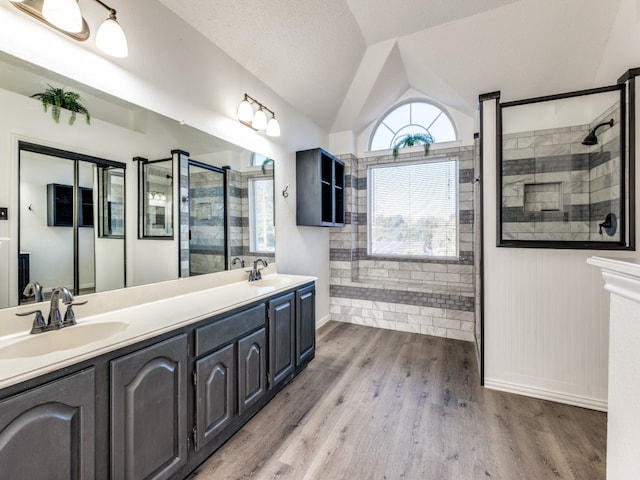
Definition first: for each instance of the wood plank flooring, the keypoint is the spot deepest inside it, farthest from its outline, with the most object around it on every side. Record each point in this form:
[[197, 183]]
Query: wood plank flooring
[[378, 404]]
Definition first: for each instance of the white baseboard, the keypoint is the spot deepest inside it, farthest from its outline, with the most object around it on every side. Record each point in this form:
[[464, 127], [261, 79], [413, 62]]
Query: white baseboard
[[560, 397], [322, 321]]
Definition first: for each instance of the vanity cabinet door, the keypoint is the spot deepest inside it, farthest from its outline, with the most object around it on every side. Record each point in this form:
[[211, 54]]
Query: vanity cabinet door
[[149, 411], [215, 393], [252, 369], [281, 338], [305, 325], [49, 431]]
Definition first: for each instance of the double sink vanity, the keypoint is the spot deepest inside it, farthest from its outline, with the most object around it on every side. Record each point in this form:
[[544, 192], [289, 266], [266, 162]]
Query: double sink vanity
[[152, 379]]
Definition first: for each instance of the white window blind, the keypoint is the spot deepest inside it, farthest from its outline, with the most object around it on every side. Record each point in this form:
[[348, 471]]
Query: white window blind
[[261, 222], [413, 209]]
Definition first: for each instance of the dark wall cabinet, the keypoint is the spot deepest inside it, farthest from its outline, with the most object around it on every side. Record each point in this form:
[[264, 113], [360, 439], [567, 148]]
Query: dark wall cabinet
[[49, 431], [149, 411], [60, 206], [132, 414], [320, 189]]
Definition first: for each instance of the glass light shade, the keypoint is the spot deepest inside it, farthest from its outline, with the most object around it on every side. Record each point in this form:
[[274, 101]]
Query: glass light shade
[[64, 14], [273, 127], [259, 120], [245, 111], [111, 39]]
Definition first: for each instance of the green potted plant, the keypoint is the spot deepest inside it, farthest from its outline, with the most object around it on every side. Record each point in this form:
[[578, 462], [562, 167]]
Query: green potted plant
[[411, 140], [58, 98]]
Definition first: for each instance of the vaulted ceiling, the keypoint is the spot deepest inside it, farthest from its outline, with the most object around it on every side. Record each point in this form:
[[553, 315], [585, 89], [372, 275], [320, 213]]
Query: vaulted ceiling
[[342, 63]]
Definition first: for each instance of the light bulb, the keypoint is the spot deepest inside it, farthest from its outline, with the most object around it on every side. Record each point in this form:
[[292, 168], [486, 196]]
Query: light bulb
[[273, 127], [245, 111], [111, 38], [64, 14], [259, 120]]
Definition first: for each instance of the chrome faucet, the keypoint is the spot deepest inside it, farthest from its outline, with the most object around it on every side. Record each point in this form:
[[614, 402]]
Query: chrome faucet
[[237, 260], [255, 273], [34, 289], [54, 320]]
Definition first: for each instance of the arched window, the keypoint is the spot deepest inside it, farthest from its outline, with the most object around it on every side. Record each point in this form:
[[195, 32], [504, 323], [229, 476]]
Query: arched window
[[417, 116]]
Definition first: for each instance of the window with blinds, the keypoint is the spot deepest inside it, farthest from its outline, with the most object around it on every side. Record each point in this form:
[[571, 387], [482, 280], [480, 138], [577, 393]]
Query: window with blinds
[[413, 209]]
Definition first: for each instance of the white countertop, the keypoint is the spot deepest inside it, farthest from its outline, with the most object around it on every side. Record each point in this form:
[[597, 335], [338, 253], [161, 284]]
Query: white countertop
[[24, 356]]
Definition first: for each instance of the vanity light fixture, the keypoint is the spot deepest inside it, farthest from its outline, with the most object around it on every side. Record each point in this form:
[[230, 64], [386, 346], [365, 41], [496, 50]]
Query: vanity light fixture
[[257, 119], [66, 17]]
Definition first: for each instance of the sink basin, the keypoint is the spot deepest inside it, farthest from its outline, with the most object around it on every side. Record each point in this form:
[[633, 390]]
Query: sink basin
[[63, 339], [270, 282]]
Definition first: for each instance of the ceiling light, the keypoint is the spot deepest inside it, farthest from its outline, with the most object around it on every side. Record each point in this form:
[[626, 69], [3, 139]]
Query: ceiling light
[[110, 37], [257, 119], [64, 14], [273, 127], [245, 110]]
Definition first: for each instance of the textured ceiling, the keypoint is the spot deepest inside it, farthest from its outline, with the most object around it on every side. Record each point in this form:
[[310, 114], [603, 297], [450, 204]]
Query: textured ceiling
[[343, 62]]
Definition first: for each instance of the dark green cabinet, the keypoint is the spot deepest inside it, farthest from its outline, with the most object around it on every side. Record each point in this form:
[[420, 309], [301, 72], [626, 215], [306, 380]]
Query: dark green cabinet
[[281, 338], [320, 187], [49, 431], [252, 369], [149, 411], [305, 325]]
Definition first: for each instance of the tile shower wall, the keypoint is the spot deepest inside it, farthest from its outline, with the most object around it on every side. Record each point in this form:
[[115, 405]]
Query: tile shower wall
[[239, 244], [206, 197], [555, 188], [433, 297]]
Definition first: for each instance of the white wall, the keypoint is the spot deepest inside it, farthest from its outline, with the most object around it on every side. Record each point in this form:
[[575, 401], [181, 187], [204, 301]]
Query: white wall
[[173, 70]]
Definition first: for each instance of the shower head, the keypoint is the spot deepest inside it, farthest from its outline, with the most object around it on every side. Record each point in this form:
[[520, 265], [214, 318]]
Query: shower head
[[591, 139]]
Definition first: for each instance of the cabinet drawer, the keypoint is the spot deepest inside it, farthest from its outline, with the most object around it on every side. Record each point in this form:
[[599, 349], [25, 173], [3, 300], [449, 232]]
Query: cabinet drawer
[[226, 329]]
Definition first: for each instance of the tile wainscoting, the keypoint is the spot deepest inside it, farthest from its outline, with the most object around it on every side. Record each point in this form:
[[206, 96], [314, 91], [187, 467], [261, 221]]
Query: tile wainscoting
[[431, 297]]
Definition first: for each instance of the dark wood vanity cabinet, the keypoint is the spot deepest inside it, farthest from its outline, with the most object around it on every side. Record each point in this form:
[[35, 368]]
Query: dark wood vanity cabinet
[[281, 338], [149, 411], [252, 369], [132, 414], [231, 376], [320, 187], [215, 393], [305, 325], [49, 431]]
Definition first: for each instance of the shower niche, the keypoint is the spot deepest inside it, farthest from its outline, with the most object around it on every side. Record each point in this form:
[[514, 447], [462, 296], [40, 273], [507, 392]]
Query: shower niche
[[564, 177]]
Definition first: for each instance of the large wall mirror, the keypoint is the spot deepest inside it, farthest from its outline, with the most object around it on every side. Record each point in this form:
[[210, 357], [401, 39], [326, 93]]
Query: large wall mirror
[[563, 175], [119, 131]]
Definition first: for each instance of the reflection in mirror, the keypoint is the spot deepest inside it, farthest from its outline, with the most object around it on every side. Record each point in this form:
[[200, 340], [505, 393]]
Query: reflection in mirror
[[139, 132], [156, 198], [207, 219], [58, 242], [251, 212], [111, 188], [562, 171]]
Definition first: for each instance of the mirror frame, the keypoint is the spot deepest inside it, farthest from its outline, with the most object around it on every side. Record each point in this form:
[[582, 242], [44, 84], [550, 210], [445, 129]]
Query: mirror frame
[[626, 222], [25, 146], [143, 200]]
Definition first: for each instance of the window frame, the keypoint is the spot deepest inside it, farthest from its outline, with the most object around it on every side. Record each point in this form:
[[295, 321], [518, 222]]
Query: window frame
[[410, 101], [253, 216], [370, 194]]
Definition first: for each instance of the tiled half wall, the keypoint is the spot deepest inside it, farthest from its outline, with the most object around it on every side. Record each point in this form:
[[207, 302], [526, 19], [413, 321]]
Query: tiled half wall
[[432, 297]]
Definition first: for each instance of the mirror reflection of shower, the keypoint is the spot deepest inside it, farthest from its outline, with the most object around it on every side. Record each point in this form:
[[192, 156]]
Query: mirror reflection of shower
[[591, 138]]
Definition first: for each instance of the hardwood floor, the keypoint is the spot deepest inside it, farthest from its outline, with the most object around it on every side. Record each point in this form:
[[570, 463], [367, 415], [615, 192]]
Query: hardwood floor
[[377, 404]]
